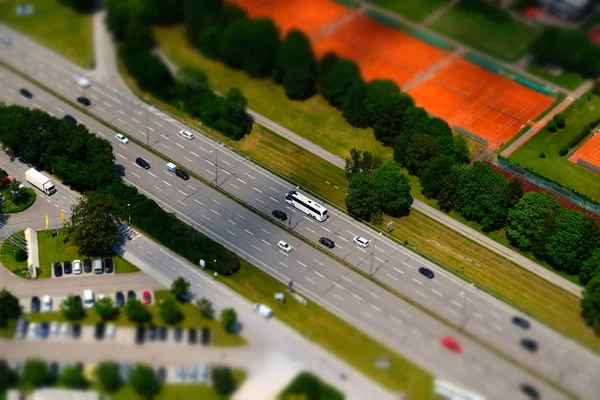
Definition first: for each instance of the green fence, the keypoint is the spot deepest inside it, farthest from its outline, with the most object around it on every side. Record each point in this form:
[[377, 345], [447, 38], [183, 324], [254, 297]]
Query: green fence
[[385, 19], [470, 135], [348, 3], [435, 41], [588, 165], [534, 85]]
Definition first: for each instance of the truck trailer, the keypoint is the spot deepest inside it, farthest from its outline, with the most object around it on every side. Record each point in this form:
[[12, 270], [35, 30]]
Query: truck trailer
[[40, 181]]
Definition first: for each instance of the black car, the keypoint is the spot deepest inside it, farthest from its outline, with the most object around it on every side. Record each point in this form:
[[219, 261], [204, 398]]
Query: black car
[[142, 163], [68, 267], [151, 334], [521, 322], [182, 174], [427, 272], [35, 304], [530, 391], [327, 242], [109, 267], [26, 93], [53, 369], [57, 269], [178, 334], [192, 336], [529, 344], [87, 265], [84, 100], [280, 215], [99, 331], [130, 295], [76, 331], [140, 334], [70, 118], [119, 299], [205, 336], [161, 375], [162, 333]]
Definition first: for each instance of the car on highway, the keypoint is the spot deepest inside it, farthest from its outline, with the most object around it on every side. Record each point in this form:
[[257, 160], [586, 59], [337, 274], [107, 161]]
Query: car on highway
[[21, 328], [130, 295], [327, 242], [47, 303], [83, 82], [530, 391], [520, 322], [26, 93], [84, 101], [451, 344], [426, 272], [119, 299], [32, 331], [76, 331], [142, 163], [54, 329], [146, 297], [182, 174], [151, 333], [77, 267], [44, 330], [87, 265], [280, 215], [186, 134], [361, 241], [109, 266], [529, 344], [35, 304], [68, 267], [284, 246], [178, 334], [70, 118], [121, 138], [57, 269]]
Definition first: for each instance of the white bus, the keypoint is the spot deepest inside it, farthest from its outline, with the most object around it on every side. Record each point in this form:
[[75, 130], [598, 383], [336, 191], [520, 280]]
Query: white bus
[[306, 205]]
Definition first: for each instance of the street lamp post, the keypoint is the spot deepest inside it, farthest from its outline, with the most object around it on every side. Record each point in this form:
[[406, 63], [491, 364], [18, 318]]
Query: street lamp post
[[129, 209]]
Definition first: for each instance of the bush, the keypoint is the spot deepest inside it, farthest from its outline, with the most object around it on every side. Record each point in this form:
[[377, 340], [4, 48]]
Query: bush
[[563, 151], [21, 255], [223, 382], [560, 120], [206, 308], [137, 312], [8, 377], [72, 309], [143, 381], [308, 386], [72, 377], [551, 126], [168, 311], [35, 374], [229, 319], [542, 155], [108, 377]]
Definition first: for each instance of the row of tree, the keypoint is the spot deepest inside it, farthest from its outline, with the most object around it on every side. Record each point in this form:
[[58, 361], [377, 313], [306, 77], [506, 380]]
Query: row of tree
[[85, 162]]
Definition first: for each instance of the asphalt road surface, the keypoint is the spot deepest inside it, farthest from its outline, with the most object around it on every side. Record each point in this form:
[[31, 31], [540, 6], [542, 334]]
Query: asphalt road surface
[[381, 314]]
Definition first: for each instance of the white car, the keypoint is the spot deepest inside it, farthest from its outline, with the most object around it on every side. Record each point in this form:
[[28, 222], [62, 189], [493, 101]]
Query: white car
[[77, 267], [54, 328], [65, 330], [110, 332], [284, 246], [33, 330], [186, 134], [83, 82], [121, 138], [361, 241], [47, 303]]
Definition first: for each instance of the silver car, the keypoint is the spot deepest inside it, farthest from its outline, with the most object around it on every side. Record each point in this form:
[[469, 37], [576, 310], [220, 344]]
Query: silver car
[[21, 329], [65, 330], [54, 329], [203, 373], [32, 332]]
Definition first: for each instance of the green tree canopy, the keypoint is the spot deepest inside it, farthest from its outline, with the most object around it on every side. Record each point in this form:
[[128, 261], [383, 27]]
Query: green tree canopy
[[137, 312], [590, 268], [180, 289], [163, 12], [143, 381], [525, 221], [263, 42], [223, 381], [229, 319], [420, 149], [361, 162], [515, 192], [353, 106], [462, 149], [105, 308], [35, 374], [379, 93], [9, 307], [324, 65], [72, 377], [393, 189], [362, 200], [169, 312], [108, 376], [235, 121], [8, 377], [206, 308], [340, 77], [435, 173], [150, 73], [295, 54], [138, 37], [72, 308], [234, 42], [119, 14], [300, 82], [590, 304]]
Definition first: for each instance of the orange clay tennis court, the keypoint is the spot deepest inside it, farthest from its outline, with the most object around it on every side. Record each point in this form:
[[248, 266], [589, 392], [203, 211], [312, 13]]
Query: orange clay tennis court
[[484, 103], [380, 51], [588, 155], [308, 16]]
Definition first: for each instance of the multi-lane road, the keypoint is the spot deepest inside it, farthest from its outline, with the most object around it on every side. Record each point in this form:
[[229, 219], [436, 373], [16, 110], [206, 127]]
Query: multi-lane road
[[449, 297]]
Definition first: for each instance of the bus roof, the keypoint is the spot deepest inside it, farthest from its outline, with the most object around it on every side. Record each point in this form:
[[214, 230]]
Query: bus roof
[[306, 200]]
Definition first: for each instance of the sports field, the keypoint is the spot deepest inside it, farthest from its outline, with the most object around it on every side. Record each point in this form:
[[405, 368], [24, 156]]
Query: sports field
[[484, 103], [380, 51], [588, 155], [309, 16]]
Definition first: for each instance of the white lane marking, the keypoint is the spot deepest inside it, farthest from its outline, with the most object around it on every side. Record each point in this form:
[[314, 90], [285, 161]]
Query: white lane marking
[[325, 228], [134, 174], [210, 162], [343, 239], [265, 231], [259, 200], [214, 211], [136, 120], [241, 216], [164, 145], [396, 320], [481, 328], [183, 193], [257, 248], [179, 145], [191, 188], [477, 315], [265, 242], [367, 314], [318, 273], [213, 200], [398, 270], [248, 232], [230, 232], [210, 172], [194, 154], [122, 156], [374, 295], [60, 109], [416, 280], [408, 265], [451, 310], [234, 186], [243, 181], [231, 222], [495, 314], [338, 285], [346, 279], [121, 112], [421, 294], [337, 296], [257, 189], [436, 292], [167, 183], [310, 280], [283, 264], [204, 216], [249, 175], [159, 124], [179, 201], [374, 307], [301, 263], [352, 234], [198, 202], [188, 159], [416, 332], [361, 249], [357, 296], [152, 174], [273, 198], [381, 250], [456, 303], [391, 276], [497, 327], [275, 190], [152, 129], [164, 137], [310, 229], [156, 187], [106, 104], [380, 260], [100, 108]]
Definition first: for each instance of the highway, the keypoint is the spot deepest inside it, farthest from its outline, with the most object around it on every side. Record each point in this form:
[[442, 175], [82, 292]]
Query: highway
[[359, 301]]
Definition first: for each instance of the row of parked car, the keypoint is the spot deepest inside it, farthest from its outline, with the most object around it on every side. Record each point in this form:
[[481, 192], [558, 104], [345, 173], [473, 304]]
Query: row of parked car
[[46, 304], [44, 330], [76, 267], [153, 333]]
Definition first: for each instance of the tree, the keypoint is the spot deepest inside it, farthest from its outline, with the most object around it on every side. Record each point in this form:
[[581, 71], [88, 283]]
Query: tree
[[379, 94], [596, 87], [234, 42], [560, 120], [539, 246], [325, 64], [353, 106], [235, 121], [340, 77], [138, 37], [136, 312], [143, 381], [551, 126], [82, 6], [393, 189], [192, 78], [362, 200], [590, 268], [180, 289], [206, 308], [515, 192], [360, 162], [391, 121], [223, 381], [590, 304], [9, 307], [119, 14], [575, 238], [72, 308], [447, 197], [108, 376], [462, 149], [295, 66], [150, 73], [35, 374], [435, 173], [419, 151], [8, 377], [168, 311], [229, 319], [94, 224], [300, 82], [263, 42], [525, 222], [72, 377], [106, 309], [163, 12]]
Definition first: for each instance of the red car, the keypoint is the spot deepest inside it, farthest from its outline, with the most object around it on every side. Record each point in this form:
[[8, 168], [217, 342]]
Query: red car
[[147, 297], [451, 344]]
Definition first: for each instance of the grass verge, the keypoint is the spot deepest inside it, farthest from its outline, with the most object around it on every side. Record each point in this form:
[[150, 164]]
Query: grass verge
[[9, 330], [54, 25], [8, 256], [567, 80], [416, 10], [59, 249], [559, 168], [9, 207]]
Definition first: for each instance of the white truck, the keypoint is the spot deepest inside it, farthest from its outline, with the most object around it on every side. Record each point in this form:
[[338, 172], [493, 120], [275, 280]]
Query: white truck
[[40, 181], [263, 310]]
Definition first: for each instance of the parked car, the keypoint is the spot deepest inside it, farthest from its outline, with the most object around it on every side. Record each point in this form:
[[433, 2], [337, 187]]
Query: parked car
[[77, 267], [44, 330], [192, 336], [178, 334], [87, 265], [529, 344], [151, 333], [130, 295], [84, 101], [35, 304], [205, 336], [32, 331], [99, 331], [65, 329], [110, 332], [47, 303], [520, 322], [125, 371], [280, 215], [451, 344], [68, 267], [142, 163], [70, 118], [146, 297], [191, 374], [98, 266], [54, 329], [109, 266], [121, 138], [530, 391], [119, 299], [21, 328], [162, 333], [26, 93], [327, 242], [161, 375], [427, 272], [57, 269], [182, 174], [76, 331], [180, 375], [284, 246], [203, 373], [361, 241]]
